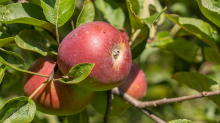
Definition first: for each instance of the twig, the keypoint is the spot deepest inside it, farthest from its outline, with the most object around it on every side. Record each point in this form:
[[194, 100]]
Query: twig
[[136, 103], [71, 21], [178, 99], [108, 106], [141, 104], [152, 116]]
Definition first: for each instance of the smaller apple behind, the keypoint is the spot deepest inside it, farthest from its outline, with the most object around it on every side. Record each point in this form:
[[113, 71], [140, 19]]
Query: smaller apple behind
[[135, 85], [54, 97], [100, 43]]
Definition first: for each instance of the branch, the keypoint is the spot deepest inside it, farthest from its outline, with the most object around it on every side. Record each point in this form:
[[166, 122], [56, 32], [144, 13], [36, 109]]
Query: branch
[[141, 104], [136, 103], [108, 106]]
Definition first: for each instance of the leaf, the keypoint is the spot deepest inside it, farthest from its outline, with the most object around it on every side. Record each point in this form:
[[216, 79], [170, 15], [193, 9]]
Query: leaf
[[32, 40], [58, 12], [187, 50], [77, 73], [112, 12], [37, 2], [138, 45], [26, 13], [81, 117], [11, 59], [150, 20], [18, 110], [198, 82], [87, 14], [211, 55], [2, 72], [210, 9], [197, 27], [181, 121], [6, 41]]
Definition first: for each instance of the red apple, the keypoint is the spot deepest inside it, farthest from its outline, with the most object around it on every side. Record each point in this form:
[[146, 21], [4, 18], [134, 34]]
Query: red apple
[[125, 33], [135, 85], [55, 97], [100, 43]]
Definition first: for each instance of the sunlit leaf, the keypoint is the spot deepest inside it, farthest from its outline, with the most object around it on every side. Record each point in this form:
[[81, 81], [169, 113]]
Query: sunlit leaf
[[87, 14], [18, 110], [6, 41], [181, 121], [111, 11], [211, 10], [32, 40], [2, 72], [58, 12], [26, 13], [77, 73]]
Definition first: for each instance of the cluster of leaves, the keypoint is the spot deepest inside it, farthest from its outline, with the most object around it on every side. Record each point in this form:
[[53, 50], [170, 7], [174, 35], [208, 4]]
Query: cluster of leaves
[[30, 30]]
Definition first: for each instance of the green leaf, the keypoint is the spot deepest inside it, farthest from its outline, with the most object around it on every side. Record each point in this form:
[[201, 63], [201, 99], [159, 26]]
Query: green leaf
[[58, 12], [211, 55], [185, 49], [26, 13], [159, 8], [177, 31], [6, 41], [111, 11], [77, 73], [2, 72], [87, 14], [181, 121], [198, 82], [150, 20], [81, 117], [197, 27], [32, 40], [210, 9], [37, 2], [138, 45], [18, 110], [11, 59]]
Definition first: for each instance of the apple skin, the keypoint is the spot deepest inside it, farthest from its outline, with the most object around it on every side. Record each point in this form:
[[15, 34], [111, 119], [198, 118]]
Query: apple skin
[[54, 97], [100, 43], [135, 85]]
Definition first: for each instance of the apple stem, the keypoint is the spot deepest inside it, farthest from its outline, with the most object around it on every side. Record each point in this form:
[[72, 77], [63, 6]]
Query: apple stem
[[48, 80], [38, 89], [110, 96]]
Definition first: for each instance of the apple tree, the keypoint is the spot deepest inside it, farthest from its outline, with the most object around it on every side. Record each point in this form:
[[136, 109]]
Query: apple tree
[[116, 61]]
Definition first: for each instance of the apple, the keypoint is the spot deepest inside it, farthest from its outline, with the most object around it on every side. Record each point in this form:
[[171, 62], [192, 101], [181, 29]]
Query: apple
[[125, 33], [54, 97], [100, 43], [135, 85]]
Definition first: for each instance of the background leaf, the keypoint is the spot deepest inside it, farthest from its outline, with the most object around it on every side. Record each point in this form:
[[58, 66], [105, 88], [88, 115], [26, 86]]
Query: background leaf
[[19, 110], [78, 73], [32, 40], [11, 59], [111, 11], [87, 14], [211, 55], [197, 27], [58, 12], [81, 117], [25, 13], [198, 82]]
